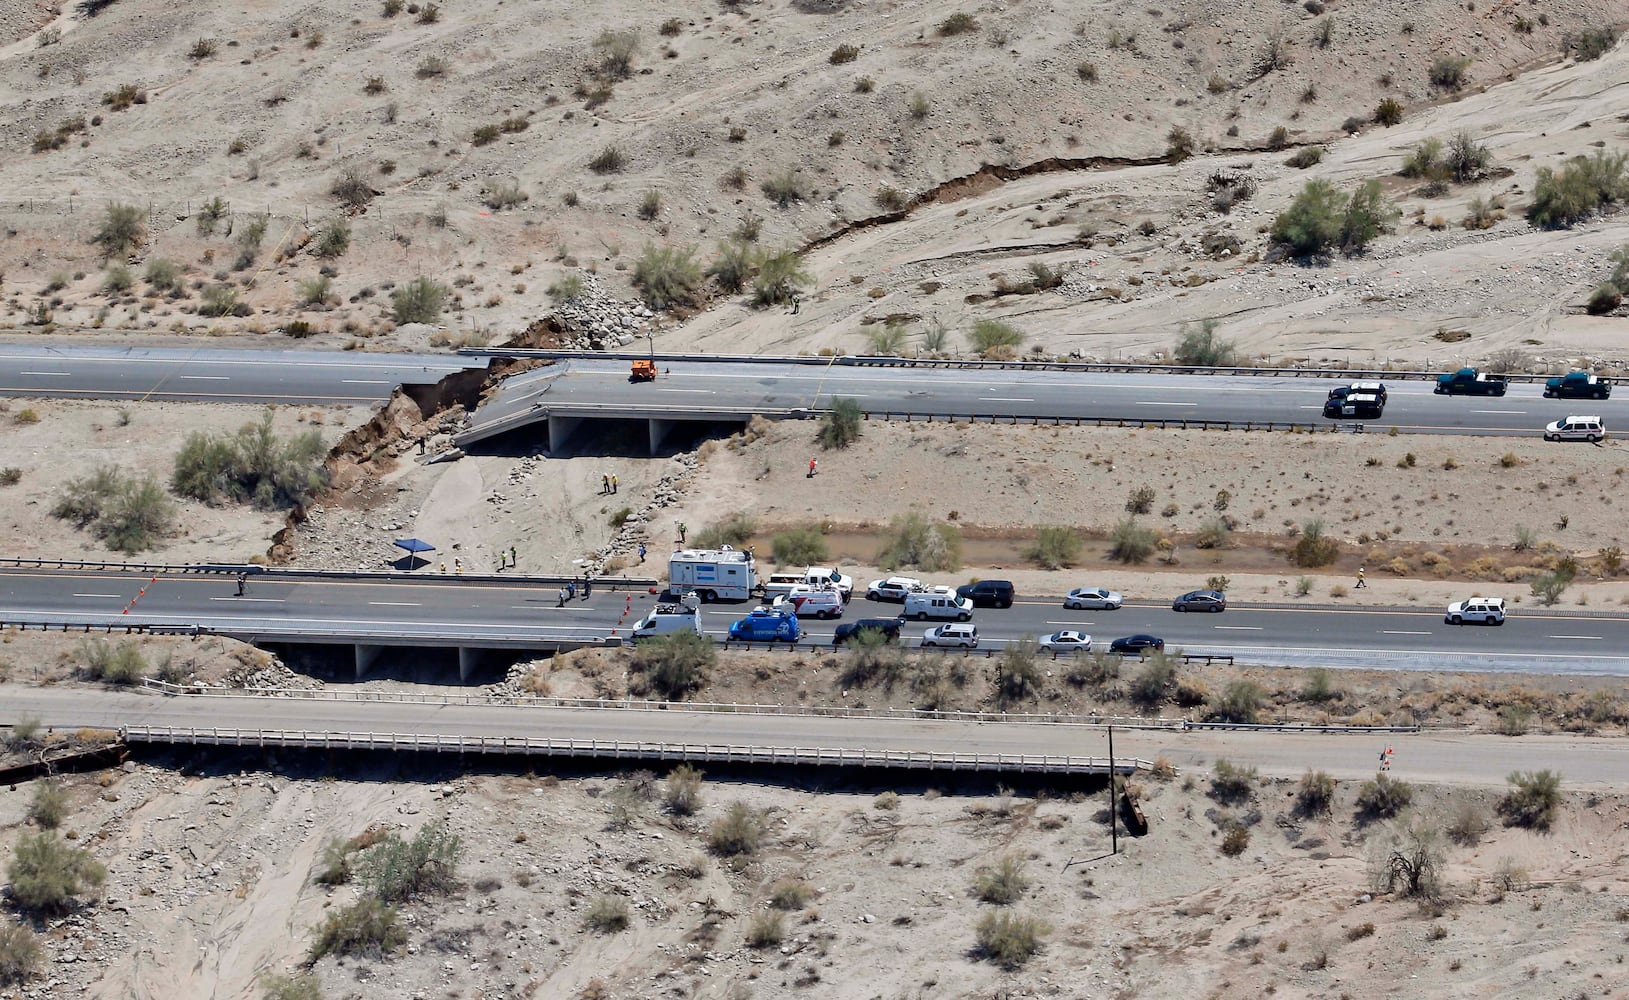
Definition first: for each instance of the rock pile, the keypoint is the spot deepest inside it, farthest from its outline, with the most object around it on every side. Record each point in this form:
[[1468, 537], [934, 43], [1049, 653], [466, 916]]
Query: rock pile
[[596, 320]]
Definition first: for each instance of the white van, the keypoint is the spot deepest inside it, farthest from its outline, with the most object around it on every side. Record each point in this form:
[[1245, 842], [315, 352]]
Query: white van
[[1483, 610], [1575, 429], [807, 602], [668, 618], [780, 584], [965, 635], [940, 602]]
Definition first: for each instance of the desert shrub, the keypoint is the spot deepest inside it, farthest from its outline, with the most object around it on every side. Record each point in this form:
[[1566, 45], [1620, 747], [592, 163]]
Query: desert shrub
[[1411, 866], [1275, 55], [1383, 798], [429, 13], [1179, 144], [1582, 187], [1151, 682], [681, 791], [799, 547], [1313, 222], [609, 160], [10, 475], [125, 96], [122, 229], [1055, 547], [334, 240], [891, 199], [765, 930], [1008, 939], [1238, 703], [84, 498], [1604, 299], [1548, 587], [1236, 839], [782, 188], [1230, 783], [219, 299], [499, 195], [1319, 686], [779, 279], [1130, 542], [137, 517], [1017, 674], [990, 337], [872, 658], [253, 465], [117, 280], [351, 189], [1448, 72], [1368, 214], [1467, 822], [368, 928], [1140, 500], [1201, 346], [162, 274], [397, 869], [1532, 800], [1214, 533], [1315, 795], [735, 530], [1388, 112], [1467, 160], [334, 862], [734, 265], [672, 665], [21, 957], [1002, 884], [912, 540], [316, 291], [739, 831], [49, 806], [887, 340], [607, 915], [1313, 547], [616, 50], [1424, 160], [1591, 43], [790, 894], [667, 276], [840, 426], [958, 24], [301, 985], [47, 873], [844, 53], [418, 301]]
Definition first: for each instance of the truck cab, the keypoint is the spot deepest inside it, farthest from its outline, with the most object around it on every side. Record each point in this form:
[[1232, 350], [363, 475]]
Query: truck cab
[[1470, 382], [1577, 385]]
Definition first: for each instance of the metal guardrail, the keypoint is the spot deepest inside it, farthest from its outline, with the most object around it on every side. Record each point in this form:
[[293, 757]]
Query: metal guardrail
[[611, 583], [1209, 658], [1301, 727], [107, 627], [636, 750], [638, 705], [976, 363], [271, 633]]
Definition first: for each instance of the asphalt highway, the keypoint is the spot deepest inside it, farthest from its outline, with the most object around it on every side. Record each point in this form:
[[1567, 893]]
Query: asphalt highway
[[429, 608], [696, 390], [211, 375], [1455, 758]]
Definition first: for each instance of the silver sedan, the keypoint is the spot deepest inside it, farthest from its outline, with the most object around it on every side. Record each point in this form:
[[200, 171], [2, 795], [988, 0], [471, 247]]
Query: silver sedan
[[1093, 599]]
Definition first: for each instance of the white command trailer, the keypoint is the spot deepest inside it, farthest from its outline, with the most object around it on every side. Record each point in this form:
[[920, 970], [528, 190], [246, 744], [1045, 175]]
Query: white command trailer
[[713, 574]]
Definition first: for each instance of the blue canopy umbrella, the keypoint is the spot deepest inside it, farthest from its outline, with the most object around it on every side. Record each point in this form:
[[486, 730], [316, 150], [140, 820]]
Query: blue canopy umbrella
[[414, 546]]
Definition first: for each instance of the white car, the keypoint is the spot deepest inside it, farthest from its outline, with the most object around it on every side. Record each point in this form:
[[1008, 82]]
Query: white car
[[963, 634], [806, 602], [1482, 610], [895, 588], [1580, 428], [1093, 598], [1067, 641]]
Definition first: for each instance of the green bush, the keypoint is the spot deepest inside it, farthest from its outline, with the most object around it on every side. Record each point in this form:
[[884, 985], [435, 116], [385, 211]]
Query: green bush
[[299, 986], [254, 465], [1448, 72], [1315, 795], [163, 274], [49, 807], [765, 930], [21, 957], [779, 278], [1153, 680], [1179, 144], [1130, 542], [117, 280], [316, 291], [609, 160], [734, 266], [128, 514], [959, 23], [1467, 160], [1055, 547], [1424, 161], [368, 928], [887, 340], [1467, 823], [617, 50], [735, 530], [121, 664], [1604, 299], [396, 868], [10, 475], [607, 915], [672, 665], [335, 865], [568, 289], [799, 547], [1306, 156], [122, 230], [1548, 587], [334, 240], [1214, 533], [872, 658], [1002, 884], [1320, 686], [840, 426], [1582, 187], [991, 337], [1383, 798], [1388, 112], [1532, 800], [668, 276], [1313, 547], [739, 831], [418, 301], [219, 299], [1312, 223], [783, 188], [844, 53], [1008, 939], [1236, 840], [86, 497], [1591, 43], [790, 894], [1017, 674], [912, 540], [681, 792], [1238, 703], [1230, 783], [1368, 214], [47, 873], [1200, 346]]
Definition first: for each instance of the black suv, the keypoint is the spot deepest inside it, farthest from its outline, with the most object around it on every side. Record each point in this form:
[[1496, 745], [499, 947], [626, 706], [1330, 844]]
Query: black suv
[[848, 630], [988, 593]]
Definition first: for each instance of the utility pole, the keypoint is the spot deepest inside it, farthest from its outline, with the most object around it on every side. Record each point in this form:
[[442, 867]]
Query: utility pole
[[1114, 805]]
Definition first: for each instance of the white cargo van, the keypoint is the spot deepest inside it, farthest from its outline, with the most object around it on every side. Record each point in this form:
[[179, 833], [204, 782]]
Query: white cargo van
[[940, 602], [807, 602], [668, 618]]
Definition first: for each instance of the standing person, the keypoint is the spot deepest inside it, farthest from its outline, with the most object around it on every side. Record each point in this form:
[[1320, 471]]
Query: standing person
[[613, 482], [513, 562], [681, 532], [641, 551], [443, 567], [458, 564], [562, 598], [813, 464], [605, 483], [571, 590], [588, 586], [243, 583], [1360, 584]]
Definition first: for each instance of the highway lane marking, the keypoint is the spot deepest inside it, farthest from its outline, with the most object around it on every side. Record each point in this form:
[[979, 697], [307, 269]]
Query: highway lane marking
[[1008, 399], [436, 364], [1239, 628], [1397, 631], [707, 392], [308, 399], [364, 381], [1146, 402], [394, 604], [52, 374], [206, 378], [1518, 413], [251, 600], [1574, 637], [98, 595]]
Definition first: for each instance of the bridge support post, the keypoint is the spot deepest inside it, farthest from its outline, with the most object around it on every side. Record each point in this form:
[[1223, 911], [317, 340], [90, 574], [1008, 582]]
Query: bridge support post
[[560, 431], [468, 660], [365, 655], [659, 430]]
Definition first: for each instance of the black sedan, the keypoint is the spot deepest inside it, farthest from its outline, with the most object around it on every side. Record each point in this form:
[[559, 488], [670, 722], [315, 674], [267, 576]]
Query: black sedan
[[1136, 644], [889, 627]]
